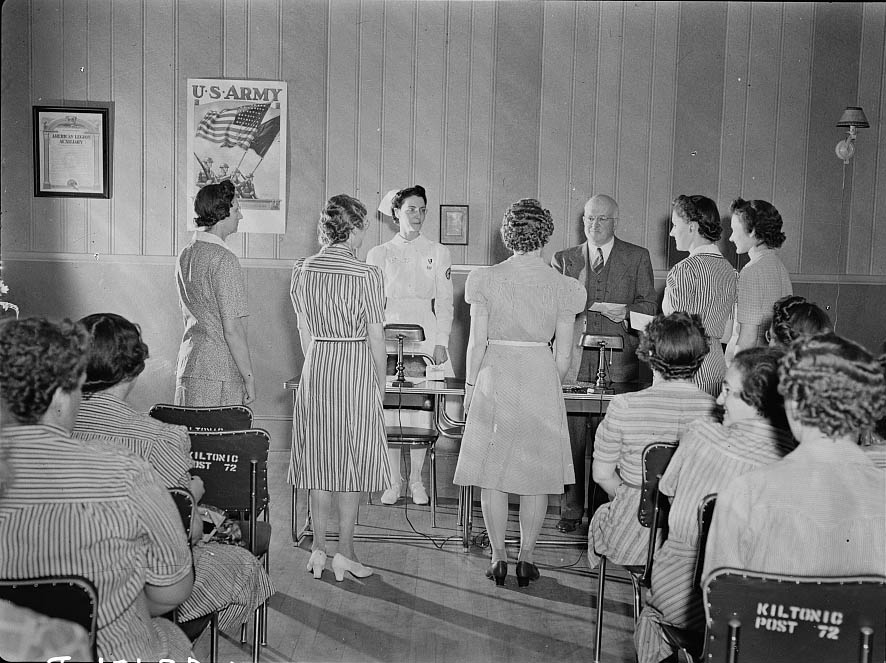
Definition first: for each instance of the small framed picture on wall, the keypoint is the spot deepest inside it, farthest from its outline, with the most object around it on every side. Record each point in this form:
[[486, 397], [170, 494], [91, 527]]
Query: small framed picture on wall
[[453, 224], [72, 155]]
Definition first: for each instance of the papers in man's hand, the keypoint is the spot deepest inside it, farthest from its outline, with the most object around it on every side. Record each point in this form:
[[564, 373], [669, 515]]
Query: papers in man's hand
[[639, 320]]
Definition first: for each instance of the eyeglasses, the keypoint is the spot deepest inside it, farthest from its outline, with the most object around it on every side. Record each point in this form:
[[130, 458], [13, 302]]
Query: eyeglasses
[[599, 219]]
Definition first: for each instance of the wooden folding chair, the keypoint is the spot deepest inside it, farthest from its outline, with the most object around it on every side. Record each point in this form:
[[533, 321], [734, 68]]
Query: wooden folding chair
[[184, 502], [651, 513], [794, 619], [69, 597], [234, 469]]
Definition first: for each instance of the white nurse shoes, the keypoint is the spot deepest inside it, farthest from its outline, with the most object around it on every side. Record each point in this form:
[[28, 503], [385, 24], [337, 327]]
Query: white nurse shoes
[[391, 495], [419, 494]]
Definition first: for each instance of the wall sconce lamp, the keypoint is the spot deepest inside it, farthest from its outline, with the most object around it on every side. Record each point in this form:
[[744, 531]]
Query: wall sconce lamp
[[853, 117]]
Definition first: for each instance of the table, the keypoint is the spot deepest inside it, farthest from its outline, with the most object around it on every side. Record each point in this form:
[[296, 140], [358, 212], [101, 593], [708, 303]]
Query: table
[[590, 404]]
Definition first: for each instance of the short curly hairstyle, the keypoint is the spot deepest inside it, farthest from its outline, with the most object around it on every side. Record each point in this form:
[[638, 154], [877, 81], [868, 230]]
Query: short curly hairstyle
[[759, 382], [403, 194], [213, 203], [835, 384], [341, 216], [116, 351], [703, 211], [674, 345], [793, 316], [760, 218], [526, 226], [38, 357]]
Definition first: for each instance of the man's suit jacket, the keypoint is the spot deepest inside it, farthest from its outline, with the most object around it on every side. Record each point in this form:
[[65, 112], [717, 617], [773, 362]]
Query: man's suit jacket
[[630, 282]]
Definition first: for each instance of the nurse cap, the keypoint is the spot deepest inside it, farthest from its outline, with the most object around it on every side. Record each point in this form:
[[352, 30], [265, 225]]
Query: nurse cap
[[385, 205]]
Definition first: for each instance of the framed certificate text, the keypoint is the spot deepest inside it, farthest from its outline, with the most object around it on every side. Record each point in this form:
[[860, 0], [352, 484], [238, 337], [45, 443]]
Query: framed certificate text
[[72, 155]]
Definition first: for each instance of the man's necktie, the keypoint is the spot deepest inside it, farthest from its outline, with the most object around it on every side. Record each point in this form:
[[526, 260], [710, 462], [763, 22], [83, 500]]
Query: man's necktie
[[597, 266]]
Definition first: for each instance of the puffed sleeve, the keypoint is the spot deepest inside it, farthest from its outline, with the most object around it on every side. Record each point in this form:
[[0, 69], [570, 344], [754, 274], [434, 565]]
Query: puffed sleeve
[[230, 291], [375, 295], [168, 555], [293, 284], [671, 477], [475, 287], [572, 297], [443, 309], [608, 440], [752, 310], [730, 537]]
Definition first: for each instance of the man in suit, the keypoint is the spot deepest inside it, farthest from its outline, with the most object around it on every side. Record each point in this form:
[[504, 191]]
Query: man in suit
[[618, 278]]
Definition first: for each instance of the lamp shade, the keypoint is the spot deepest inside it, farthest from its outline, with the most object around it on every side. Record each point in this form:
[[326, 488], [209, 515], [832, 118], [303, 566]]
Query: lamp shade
[[853, 116]]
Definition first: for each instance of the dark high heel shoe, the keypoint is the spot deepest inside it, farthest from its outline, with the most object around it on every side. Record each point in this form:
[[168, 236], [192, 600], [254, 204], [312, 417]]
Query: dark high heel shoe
[[526, 571], [498, 572]]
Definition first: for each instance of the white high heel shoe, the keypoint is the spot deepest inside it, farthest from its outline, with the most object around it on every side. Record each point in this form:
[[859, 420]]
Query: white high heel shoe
[[340, 564], [317, 563]]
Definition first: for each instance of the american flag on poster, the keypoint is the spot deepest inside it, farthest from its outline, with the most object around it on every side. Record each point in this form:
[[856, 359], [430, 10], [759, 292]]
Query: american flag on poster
[[232, 127]]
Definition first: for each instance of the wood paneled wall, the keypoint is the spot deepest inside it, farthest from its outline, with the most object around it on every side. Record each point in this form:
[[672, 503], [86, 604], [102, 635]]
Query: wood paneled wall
[[481, 102]]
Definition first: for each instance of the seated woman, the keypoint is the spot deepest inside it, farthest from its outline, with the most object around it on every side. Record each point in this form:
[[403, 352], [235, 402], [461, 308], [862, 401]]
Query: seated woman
[[227, 578], [69, 509], [674, 346], [793, 316], [753, 433], [26, 635], [820, 510]]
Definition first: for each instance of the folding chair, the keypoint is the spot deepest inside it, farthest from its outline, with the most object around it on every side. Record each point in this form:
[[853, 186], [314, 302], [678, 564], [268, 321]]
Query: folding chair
[[206, 419], [184, 502], [652, 513], [794, 619], [69, 597], [234, 469], [214, 419], [448, 444], [413, 437], [691, 642]]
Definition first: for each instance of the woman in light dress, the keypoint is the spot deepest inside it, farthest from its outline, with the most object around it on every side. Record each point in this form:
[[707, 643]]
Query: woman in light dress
[[516, 439], [418, 290]]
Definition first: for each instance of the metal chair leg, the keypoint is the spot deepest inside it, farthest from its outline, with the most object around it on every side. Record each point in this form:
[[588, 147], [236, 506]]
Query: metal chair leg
[[433, 469], [243, 631], [213, 638], [256, 635], [598, 629], [635, 583], [264, 607]]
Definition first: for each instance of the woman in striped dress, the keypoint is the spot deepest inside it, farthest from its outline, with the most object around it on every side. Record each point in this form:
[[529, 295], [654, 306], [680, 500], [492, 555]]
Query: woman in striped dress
[[753, 433], [674, 346], [339, 447], [227, 579], [704, 283]]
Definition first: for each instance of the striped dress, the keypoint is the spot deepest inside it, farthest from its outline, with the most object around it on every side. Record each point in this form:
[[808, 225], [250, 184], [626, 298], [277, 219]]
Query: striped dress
[[71, 510], [709, 457], [705, 284], [660, 413], [228, 579], [338, 430]]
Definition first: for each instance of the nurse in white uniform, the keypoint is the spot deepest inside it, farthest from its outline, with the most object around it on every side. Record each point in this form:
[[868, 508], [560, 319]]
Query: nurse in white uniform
[[418, 290]]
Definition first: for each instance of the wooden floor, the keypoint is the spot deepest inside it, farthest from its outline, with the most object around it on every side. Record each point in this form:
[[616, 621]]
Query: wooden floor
[[429, 600]]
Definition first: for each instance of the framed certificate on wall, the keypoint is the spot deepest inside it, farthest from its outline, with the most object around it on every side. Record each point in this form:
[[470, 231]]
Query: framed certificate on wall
[[72, 156], [453, 224]]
